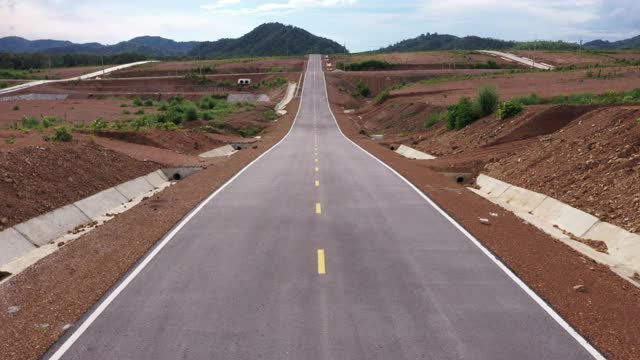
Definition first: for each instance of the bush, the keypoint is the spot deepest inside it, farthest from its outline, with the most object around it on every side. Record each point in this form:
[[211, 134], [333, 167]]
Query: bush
[[270, 115], [532, 99], [16, 108], [148, 102], [363, 88], [99, 124], [190, 113], [433, 119], [461, 114], [29, 122], [48, 122], [62, 134], [138, 102], [140, 112], [509, 109], [487, 101]]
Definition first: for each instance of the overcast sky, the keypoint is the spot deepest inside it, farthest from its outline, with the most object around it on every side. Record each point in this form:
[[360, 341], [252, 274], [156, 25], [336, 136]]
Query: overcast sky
[[362, 25]]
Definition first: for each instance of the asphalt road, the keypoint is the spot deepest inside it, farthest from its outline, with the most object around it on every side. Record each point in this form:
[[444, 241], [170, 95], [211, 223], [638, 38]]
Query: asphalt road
[[327, 256]]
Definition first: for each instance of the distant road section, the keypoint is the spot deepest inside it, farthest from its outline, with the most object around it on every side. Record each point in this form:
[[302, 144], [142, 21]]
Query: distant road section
[[81, 77], [522, 60]]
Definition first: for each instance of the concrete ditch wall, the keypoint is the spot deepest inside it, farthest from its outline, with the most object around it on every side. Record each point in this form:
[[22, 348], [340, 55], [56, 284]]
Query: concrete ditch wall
[[566, 223], [291, 90], [412, 153], [222, 151], [21, 241]]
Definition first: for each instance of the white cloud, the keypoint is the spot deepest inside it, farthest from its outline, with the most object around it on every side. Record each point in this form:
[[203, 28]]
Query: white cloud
[[278, 7]]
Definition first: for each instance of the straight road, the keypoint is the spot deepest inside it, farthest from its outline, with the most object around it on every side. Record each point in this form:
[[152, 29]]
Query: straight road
[[318, 251]]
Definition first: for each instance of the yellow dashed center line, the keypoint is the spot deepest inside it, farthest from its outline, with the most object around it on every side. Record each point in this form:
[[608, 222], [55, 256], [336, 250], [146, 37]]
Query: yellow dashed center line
[[317, 169], [317, 183], [316, 160], [318, 208], [321, 267]]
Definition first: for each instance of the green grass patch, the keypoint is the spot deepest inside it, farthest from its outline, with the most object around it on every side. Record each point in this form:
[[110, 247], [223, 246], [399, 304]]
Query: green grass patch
[[434, 118]]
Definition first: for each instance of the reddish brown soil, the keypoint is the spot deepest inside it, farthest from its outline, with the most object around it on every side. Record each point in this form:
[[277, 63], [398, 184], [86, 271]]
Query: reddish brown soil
[[60, 288], [566, 58], [158, 88], [73, 110], [38, 179], [183, 141], [592, 164], [177, 68], [545, 84], [603, 314], [425, 59], [379, 80]]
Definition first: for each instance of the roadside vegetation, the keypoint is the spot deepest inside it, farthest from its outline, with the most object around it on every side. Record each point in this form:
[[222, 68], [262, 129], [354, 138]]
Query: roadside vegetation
[[173, 114], [468, 110], [366, 65]]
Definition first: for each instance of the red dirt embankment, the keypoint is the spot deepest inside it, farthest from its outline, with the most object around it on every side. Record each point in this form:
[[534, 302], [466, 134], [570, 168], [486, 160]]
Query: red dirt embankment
[[592, 164], [38, 179]]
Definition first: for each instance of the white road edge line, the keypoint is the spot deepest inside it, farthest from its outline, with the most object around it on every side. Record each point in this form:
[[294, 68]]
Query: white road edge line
[[112, 296], [582, 341]]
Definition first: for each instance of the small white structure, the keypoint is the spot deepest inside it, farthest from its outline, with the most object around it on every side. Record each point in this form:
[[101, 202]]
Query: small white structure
[[244, 81]]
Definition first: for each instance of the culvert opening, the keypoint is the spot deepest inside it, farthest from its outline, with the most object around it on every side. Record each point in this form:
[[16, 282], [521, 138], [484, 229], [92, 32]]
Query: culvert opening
[[238, 147], [4, 275], [460, 179], [177, 176], [392, 147]]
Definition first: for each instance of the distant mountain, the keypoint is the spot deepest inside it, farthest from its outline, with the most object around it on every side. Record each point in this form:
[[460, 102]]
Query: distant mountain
[[268, 40], [18, 44], [632, 43], [437, 41]]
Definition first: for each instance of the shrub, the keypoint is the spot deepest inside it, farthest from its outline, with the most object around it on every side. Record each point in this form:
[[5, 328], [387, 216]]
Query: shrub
[[492, 64], [16, 108], [191, 113], [126, 112], [487, 101], [163, 107], [382, 96], [29, 122], [206, 116], [509, 109], [270, 115], [48, 122], [433, 119], [250, 131], [138, 102], [99, 124], [363, 88], [461, 114], [62, 134], [532, 99], [148, 102], [140, 112]]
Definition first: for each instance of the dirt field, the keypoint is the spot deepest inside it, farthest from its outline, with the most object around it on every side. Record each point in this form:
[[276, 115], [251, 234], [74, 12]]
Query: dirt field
[[426, 60], [237, 66], [73, 110]]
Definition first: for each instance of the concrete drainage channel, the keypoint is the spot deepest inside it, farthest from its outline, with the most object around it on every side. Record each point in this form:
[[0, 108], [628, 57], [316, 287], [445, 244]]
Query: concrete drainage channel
[[572, 226], [24, 244]]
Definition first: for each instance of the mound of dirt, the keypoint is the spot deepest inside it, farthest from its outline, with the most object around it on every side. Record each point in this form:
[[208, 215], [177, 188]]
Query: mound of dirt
[[38, 179], [182, 141], [592, 164]]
